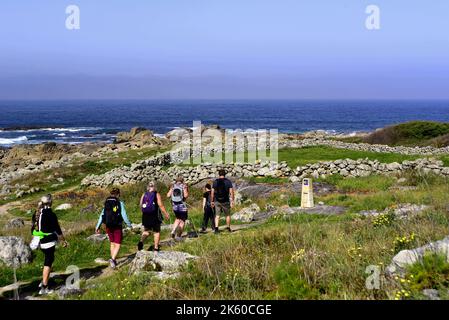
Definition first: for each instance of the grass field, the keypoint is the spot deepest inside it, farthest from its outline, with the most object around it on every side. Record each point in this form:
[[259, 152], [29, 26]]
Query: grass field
[[299, 157], [299, 257], [305, 256]]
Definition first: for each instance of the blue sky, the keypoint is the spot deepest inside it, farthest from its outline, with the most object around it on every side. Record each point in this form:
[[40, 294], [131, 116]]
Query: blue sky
[[224, 49]]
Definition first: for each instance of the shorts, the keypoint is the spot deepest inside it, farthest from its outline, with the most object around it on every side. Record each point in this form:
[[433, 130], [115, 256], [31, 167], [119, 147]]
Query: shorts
[[156, 228], [223, 207], [49, 256], [115, 234], [180, 211]]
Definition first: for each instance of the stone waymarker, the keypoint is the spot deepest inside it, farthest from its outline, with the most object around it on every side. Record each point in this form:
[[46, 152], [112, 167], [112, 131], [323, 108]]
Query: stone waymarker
[[307, 193]]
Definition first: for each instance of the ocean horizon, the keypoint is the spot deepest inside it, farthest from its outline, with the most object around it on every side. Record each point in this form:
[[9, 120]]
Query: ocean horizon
[[77, 121]]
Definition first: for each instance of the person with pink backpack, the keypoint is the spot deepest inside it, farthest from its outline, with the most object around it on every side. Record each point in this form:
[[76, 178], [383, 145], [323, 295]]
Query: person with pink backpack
[[151, 206]]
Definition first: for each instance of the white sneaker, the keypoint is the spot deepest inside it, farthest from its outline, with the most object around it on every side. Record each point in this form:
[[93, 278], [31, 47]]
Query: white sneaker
[[45, 291]]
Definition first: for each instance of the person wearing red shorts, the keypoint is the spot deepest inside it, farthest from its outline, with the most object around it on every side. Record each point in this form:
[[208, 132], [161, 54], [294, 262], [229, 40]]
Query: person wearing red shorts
[[113, 216]]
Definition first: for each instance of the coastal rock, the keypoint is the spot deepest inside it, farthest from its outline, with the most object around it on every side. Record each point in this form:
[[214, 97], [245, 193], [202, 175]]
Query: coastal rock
[[65, 292], [14, 251], [319, 209], [167, 261], [135, 139], [432, 294], [16, 223], [163, 276], [101, 261], [246, 214], [405, 258], [90, 208], [64, 206], [97, 238], [401, 211]]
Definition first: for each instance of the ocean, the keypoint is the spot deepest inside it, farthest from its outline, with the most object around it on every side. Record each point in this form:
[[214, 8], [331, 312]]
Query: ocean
[[81, 121]]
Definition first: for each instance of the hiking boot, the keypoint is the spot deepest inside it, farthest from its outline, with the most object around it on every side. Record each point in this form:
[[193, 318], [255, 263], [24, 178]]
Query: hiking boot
[[140, 246], [216, 231], [229, 229], [172, 235], [113, 263], [203, 230], [45, 291]]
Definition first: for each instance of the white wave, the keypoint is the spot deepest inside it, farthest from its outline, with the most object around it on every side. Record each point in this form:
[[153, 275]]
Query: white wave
[[13, 140], [75, 129], [60, 134]]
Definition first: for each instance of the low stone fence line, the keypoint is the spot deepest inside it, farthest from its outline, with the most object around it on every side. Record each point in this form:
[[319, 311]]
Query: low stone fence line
[[153, 169], [366, 167], [311, 142]]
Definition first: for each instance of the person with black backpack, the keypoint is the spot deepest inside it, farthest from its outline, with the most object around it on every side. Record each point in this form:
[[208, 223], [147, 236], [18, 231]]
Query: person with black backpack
[[151, 206], [209, 211], [113, 216], [178, 194], [222, 199]]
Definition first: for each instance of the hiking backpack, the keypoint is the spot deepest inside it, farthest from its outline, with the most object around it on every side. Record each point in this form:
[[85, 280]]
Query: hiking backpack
[[149, 202], [112, 213], [221, 192], [178, 193]]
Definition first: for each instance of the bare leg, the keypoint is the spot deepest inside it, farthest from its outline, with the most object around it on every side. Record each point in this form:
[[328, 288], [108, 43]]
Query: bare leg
[[145, 235], [157, 237], [175, 225], [46, 275], [217, 221], [181, 227], [228, 221], [114, 250]]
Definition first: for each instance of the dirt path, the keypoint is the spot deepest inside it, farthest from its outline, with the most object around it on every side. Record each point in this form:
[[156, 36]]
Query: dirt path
[[6, 207]]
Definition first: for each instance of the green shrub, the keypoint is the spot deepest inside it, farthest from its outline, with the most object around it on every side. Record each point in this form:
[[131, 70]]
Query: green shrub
[[410, 133], [291, 285]]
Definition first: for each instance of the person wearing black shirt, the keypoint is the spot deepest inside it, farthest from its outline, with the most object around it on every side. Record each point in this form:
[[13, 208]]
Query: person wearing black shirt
[[209, 212], [46, 222], [222, 199]]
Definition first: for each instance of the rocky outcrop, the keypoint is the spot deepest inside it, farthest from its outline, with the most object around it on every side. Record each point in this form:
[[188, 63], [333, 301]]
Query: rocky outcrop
[[23, 160], [402, 211], [63, 207], [138, 138], [166, 261], [366, 167], [318, 209], [97, 238], [247, 214], [65, 292], [251, 190], [406, 258], [14, 251], [16, 223]]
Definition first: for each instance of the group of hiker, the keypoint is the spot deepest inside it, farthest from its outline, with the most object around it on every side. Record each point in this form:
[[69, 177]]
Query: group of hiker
[[218, 199]]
